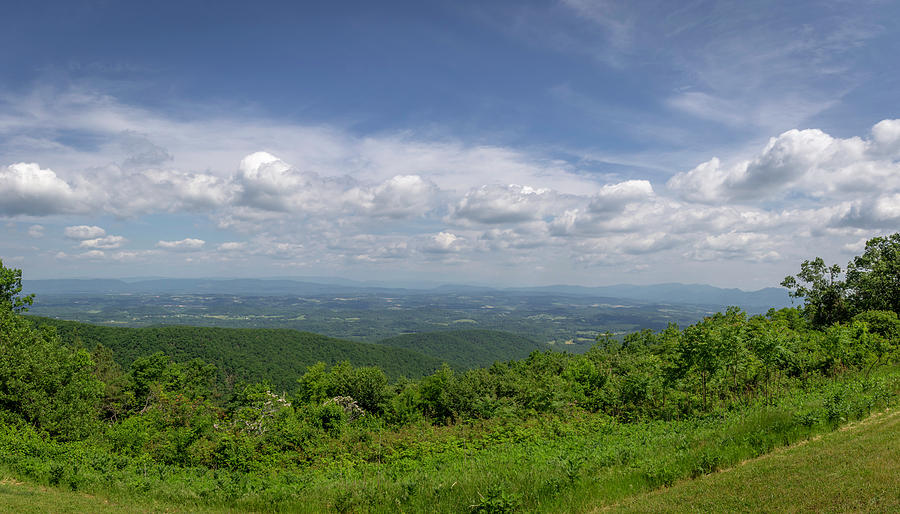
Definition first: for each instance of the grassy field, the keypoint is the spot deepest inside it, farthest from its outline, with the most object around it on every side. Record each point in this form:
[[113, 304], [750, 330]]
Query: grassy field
[[16, 496], [854, 469]]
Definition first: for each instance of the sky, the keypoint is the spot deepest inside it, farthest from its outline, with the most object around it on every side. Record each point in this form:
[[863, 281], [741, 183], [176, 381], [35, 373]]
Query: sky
[[499, 143]]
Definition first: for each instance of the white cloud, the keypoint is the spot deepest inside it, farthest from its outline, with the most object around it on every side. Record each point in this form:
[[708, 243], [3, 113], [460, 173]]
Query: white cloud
[[443, 242], [90, 255], [735, 245], [523, 236], [36, 231], [886, 135], [383, 252], [322, 197], [28, 189], [80, 232], [798, 162], [266, 182], [232, 246], [184, 245], [106, 243], [614, 197], [401, 196], [880, 212], [504, 204]]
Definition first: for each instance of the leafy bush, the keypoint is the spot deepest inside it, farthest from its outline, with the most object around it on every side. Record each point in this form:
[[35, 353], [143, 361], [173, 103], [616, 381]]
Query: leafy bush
[[43, 382]]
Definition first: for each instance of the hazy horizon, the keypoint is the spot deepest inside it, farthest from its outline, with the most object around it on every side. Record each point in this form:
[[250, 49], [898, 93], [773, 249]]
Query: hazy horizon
[[409, 284]]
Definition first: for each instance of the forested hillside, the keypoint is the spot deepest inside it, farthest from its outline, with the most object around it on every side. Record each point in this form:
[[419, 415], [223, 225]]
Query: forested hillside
[[277, 356], [464, 349]]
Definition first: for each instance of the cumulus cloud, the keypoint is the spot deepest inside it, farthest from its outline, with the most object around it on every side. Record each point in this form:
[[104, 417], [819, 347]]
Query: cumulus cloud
[[614, 197], [28, 189], [176, 191], [399, 197], [321, 195], [184, 245], [807, 162], [880, 212], [523, 236], [266, 181], [886, 136], [80, 232], [443, 242], [742, 245], [629, 206], [504, 204]]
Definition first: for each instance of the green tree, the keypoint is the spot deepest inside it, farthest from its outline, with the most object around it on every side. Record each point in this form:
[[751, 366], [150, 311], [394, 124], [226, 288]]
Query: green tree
[[42, 381], [822, 290], [768, 344], [700, 350], [873, 278], [108, 371], [11, 289], [880, 337]]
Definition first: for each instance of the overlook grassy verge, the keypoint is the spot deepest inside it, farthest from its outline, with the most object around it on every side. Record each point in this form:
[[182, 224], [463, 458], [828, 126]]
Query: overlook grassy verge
[[853, 469]]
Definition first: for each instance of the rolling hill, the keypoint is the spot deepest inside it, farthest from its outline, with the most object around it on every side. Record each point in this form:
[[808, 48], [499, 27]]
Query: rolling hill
[[279, 356], [465, 349]]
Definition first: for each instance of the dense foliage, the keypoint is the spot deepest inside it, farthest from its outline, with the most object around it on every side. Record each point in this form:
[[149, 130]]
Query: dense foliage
[[640, 411], [279, 356], [11, 289], [872, 282], [464, 349]]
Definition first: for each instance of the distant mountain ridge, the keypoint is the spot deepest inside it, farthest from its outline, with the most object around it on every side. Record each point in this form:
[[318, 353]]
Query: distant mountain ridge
[[676, 293], [699, 294]]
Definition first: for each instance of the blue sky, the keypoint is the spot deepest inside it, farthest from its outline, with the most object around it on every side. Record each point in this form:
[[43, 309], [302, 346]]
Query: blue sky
[[510, 143]]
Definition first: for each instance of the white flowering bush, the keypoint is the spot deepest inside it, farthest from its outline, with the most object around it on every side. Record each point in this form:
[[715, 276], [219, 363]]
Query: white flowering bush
[[257, 417], [349, 405]]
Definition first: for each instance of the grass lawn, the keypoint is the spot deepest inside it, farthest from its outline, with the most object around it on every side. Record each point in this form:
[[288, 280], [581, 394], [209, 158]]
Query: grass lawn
[[25, 498], [854, 469]]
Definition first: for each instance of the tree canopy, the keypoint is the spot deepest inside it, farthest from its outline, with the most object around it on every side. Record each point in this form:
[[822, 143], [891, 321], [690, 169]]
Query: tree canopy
[[11, 289], [871, 282]]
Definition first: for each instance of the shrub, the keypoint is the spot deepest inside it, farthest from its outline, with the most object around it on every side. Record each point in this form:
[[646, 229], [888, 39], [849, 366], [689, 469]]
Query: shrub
[[43, 382]]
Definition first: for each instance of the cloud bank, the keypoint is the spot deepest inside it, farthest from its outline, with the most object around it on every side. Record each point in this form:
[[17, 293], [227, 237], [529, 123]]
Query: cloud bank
[[324, 199]]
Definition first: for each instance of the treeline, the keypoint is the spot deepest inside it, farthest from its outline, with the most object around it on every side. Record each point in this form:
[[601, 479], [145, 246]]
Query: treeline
[[870, 281], [278, 356]]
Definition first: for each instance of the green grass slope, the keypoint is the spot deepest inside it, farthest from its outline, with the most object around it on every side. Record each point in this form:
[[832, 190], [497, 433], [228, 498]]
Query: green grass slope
[[854, 469], [279, 356], [27, 498], [465, 349]]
